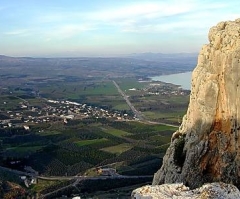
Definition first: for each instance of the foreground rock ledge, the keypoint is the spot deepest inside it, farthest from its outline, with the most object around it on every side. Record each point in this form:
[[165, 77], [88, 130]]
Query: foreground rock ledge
[[206, 148], [179, 191]]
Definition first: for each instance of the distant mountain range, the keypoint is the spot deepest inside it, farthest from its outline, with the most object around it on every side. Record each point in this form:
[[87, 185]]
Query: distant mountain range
[[153, 55], [134, 65], [160, 56], [146, 55]]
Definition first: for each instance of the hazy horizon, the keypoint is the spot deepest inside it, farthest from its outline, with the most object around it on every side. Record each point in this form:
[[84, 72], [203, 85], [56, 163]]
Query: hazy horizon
[[108, 28], [131, 55]]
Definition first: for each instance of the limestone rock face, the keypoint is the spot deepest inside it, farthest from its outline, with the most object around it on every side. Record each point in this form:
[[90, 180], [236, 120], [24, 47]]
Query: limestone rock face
[[206, 148], [179, 191]]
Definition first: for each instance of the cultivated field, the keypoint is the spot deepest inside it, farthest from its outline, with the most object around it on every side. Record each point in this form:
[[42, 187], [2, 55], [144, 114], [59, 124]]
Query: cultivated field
[[68, 124]]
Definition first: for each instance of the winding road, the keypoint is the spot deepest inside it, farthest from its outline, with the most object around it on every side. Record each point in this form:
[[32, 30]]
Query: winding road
[[82, 178], [77, 179]]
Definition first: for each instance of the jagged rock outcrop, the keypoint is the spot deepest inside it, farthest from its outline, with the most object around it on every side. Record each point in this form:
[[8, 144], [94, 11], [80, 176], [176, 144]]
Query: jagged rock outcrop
[[206, 148], [179, 191]]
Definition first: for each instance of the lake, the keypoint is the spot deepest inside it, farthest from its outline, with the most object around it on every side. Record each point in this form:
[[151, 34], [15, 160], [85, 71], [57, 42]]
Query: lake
[[182, 79]]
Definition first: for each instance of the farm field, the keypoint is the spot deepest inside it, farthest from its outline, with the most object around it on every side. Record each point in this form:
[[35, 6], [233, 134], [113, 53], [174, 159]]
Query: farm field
[[115, 132], [68, 126], [102, 144], [118, 149]]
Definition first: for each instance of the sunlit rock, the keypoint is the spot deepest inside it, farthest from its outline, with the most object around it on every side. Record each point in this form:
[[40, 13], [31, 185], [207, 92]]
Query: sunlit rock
[[180, 191], [206, 148]]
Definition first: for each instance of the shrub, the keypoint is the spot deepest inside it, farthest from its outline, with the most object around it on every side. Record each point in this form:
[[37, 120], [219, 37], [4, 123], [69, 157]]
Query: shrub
[[179, 154]]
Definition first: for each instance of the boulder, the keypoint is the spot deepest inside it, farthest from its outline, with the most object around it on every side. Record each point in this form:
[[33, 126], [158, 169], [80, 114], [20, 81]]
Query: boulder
[[180, 191]]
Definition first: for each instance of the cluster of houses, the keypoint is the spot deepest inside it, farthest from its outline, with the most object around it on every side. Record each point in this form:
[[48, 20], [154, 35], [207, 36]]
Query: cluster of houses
[[106, 171], [164, 89], [29, 179], [54, 110]]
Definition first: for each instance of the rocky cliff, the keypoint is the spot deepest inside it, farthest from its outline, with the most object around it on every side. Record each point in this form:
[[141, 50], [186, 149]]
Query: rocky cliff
[[206, 148], [179, 191]]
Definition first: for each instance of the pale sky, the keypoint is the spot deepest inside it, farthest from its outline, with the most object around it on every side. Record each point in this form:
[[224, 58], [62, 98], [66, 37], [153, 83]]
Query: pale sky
[[55, 28]]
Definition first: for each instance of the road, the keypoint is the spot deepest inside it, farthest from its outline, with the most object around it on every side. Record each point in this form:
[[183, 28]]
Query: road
[[53, 178], [82, 178], [77, 179], [161, 123], [125, 97], [137, 113]]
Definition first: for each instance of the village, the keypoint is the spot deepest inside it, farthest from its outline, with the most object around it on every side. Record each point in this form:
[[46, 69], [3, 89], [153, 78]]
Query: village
[[55, 110], [51, 110], [165, 89]]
